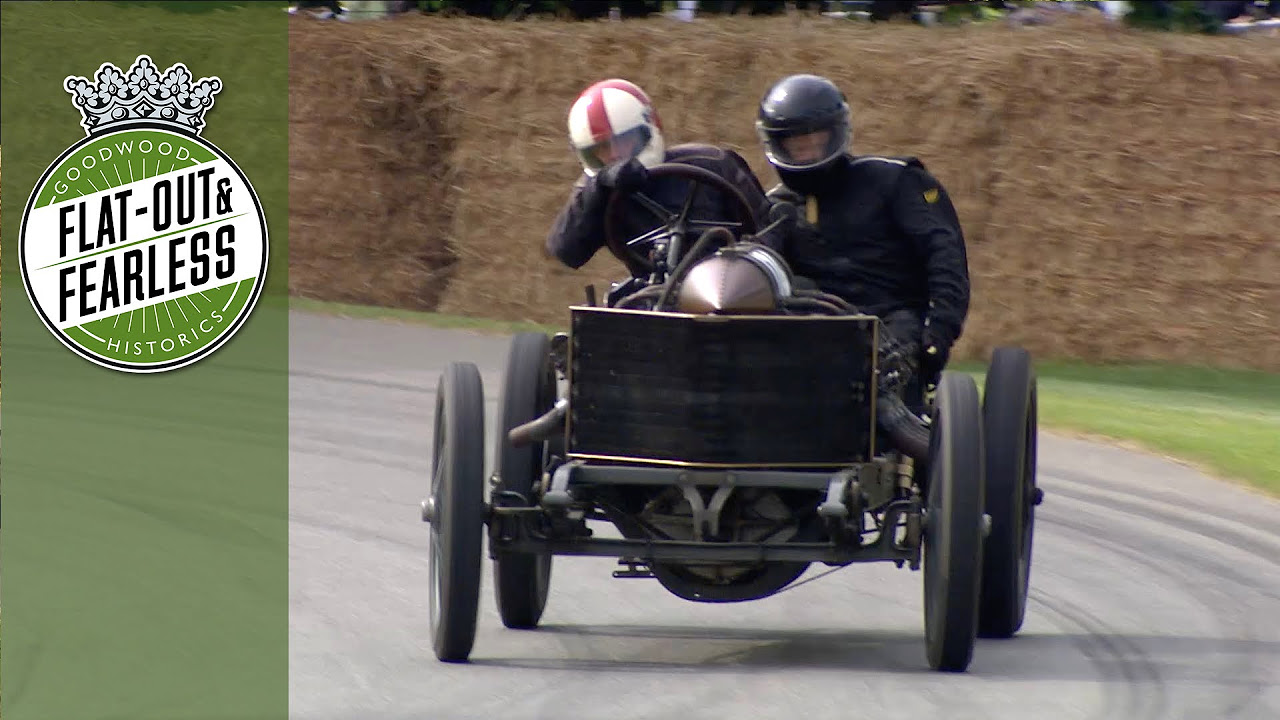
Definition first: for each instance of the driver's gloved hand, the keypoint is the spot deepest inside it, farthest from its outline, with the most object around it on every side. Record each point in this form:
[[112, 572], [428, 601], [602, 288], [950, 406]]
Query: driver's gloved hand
[[799, 227], [624, 176], [781, 193], [936, 350]]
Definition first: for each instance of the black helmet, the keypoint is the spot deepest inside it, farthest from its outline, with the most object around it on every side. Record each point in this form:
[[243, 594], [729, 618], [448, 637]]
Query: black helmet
[[801, 105]]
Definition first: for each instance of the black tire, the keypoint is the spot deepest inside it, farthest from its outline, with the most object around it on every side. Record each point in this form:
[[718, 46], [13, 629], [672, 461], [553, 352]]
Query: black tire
[[953, 527], [521, 580], [1010, 425], [457, 487]]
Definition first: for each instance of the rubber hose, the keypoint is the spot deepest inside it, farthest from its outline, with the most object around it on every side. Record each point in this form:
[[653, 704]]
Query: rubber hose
[[825, 297], [640, 294], [907, 431], [797, 303]]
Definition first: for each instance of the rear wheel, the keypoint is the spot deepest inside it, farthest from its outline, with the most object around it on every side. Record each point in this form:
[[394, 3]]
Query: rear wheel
[[521, 580], [455, 509], [953, 525], [1010, 426]]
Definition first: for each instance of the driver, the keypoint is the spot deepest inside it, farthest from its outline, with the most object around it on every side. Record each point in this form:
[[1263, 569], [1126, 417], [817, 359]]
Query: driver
[[879, 232], [617, 135]]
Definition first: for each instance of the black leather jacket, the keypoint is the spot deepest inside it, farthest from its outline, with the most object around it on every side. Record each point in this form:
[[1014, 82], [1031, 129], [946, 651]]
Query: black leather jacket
[[886, 238], [578, 231]]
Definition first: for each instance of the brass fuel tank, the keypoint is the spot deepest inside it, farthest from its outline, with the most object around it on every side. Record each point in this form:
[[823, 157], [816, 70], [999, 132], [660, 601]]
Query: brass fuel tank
[[743, 279]]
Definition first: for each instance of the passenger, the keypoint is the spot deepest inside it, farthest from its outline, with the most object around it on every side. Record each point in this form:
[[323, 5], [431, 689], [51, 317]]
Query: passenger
[[879, 232]]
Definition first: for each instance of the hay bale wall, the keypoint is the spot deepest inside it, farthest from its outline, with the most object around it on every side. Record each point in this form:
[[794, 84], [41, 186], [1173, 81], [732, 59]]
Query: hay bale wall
[[1118, 189], [370, 186]]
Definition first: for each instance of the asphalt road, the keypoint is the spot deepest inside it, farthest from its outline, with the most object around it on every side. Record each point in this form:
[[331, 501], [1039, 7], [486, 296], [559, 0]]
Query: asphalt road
[[1155, 590]]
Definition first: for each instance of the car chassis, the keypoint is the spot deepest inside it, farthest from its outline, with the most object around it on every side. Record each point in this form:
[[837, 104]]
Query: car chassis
[[685, 424]]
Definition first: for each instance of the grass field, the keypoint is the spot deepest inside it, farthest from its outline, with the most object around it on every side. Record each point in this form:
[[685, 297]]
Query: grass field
[[1225, 422]]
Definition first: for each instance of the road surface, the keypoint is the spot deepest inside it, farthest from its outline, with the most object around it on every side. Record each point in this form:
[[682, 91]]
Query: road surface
[[1155, 590]]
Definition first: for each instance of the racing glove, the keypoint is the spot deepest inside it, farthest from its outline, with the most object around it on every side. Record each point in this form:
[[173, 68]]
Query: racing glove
[[798, 229], [936, 350], [624, 176], [782, 193]]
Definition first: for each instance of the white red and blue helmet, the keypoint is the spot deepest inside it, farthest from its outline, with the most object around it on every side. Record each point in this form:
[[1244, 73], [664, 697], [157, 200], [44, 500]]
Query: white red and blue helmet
[[614, 119]]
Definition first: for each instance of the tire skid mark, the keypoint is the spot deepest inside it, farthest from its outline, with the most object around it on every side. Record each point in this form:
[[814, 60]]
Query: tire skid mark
[[1186, 569], [1157, 546], [1236, 700], [1108, 652], [359, 381], [1265, 522], [1241, 541], [1260, 540]]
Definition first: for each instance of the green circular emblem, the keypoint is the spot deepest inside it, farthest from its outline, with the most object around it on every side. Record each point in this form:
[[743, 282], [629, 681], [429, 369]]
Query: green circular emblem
[[143, 247]]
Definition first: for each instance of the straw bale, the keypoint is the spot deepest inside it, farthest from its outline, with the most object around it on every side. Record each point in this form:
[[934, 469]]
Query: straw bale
[[1117, 188], [371, 189]]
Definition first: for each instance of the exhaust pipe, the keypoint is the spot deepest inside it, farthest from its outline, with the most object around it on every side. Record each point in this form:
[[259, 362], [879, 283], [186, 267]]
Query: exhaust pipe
[[541, 428], [908, 432]]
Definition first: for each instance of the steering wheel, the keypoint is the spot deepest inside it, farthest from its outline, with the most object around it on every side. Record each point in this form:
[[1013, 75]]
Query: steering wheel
[[673, 224]]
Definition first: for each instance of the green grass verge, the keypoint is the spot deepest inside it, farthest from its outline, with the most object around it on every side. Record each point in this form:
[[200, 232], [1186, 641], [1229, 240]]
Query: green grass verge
[[1225, 422]]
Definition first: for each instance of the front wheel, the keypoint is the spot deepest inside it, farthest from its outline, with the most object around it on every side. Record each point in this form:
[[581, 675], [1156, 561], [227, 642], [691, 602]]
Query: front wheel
[[953, 524], [521, 580], [455, 509], [1010, 425]]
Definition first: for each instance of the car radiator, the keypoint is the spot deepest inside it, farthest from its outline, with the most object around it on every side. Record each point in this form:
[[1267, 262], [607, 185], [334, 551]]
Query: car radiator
[[720, 391]]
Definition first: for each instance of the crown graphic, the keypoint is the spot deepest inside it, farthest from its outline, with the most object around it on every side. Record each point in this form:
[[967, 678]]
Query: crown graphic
[[118, 98]]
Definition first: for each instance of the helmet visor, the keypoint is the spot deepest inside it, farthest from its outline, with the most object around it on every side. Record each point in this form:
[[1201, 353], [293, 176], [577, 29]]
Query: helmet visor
[[797, 149], [614, 148]]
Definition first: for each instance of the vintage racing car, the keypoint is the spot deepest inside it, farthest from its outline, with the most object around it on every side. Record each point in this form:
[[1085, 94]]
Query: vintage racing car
[[734, 427]]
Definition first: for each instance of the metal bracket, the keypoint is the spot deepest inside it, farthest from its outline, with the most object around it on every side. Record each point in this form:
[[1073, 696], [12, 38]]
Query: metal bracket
[[717, 504], [634, 569], [833, 508], [694, 498], [558, 496], [560, 351], [916, 522], [706, 517], [836, 511]]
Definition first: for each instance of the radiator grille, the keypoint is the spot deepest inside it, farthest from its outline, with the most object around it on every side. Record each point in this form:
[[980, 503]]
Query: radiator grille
[[737, 391]]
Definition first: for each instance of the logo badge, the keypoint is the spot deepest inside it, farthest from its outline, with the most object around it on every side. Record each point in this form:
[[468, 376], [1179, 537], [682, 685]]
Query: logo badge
[[143, 247], [931, 195]]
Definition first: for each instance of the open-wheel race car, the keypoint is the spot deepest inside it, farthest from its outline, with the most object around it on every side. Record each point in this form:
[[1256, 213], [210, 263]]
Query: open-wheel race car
[[735, 427]]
